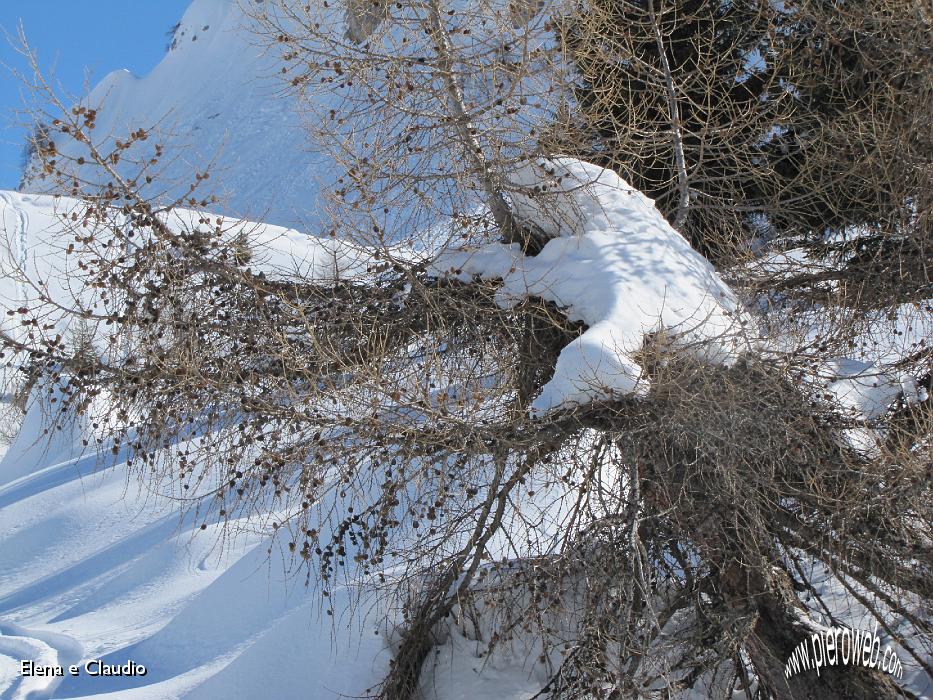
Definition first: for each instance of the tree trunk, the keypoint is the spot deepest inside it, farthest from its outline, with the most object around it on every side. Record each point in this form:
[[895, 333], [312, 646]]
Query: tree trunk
[[780, 627]]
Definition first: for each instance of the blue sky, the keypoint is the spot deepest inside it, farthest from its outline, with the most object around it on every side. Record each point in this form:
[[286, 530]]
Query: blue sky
[[81, 40]]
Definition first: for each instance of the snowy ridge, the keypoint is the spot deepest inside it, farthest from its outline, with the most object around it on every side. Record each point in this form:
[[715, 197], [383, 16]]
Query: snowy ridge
[[614, 263], [215, 98]]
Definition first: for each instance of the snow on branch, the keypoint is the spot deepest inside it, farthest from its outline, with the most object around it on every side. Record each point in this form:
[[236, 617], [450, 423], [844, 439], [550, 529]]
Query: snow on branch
[[614, 263]]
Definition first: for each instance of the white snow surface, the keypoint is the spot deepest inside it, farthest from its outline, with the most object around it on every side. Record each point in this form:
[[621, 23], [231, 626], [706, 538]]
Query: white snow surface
[[864, 389], [614, 263], [34, 261], [94, 566], [216, 98]]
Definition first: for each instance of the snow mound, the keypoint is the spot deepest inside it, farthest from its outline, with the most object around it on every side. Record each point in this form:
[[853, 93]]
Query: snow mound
[[614, 263]]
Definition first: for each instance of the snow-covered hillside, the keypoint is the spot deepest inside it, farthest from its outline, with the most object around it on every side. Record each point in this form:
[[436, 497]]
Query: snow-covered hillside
[[215, 98], [97, 564], [94, 565]]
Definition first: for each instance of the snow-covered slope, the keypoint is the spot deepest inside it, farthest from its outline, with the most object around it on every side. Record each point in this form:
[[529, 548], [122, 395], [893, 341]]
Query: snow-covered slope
[[95, 566], [92, 566], [216, 97]]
